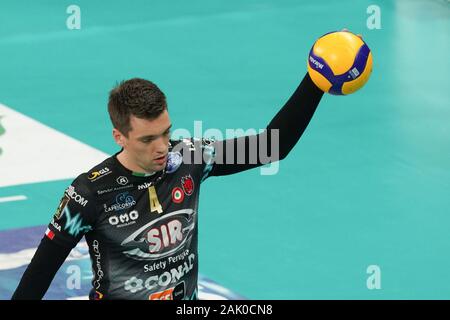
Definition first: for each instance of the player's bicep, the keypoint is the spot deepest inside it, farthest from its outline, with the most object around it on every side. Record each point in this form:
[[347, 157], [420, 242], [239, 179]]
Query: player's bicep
[[73, 217]]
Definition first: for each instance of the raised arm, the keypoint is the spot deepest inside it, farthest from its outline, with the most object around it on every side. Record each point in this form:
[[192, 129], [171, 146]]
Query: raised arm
[[291, 121]]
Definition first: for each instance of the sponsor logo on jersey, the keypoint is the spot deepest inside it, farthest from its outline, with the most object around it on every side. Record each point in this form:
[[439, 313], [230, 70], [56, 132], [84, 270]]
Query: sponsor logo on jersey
[[123, 201], [73, 224], [161, 237], [94, 176], [177, 195], [161, 264], [62, 204], [99, 272], [124, 220], [99, 192], [188, 184], [176, 293], [174, 160], [161, 280], [144, 186], [122, 180], [162, 295], [70, 191], [179, 292], [55, 225]]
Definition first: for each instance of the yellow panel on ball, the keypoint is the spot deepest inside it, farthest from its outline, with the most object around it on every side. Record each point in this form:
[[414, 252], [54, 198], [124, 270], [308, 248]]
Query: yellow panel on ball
[[338, 50], [319, 80]]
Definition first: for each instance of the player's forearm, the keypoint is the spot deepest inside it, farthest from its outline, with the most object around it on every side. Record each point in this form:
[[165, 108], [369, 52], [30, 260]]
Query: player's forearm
[[40, 272], [293, 118], [291, 121]]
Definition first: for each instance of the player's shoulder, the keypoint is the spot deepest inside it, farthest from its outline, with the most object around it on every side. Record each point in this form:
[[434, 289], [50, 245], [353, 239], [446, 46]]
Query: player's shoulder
[[91, 179]]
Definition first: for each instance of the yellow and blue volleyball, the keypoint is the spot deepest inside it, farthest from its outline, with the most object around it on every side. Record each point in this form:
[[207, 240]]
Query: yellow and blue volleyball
[[340, 63]]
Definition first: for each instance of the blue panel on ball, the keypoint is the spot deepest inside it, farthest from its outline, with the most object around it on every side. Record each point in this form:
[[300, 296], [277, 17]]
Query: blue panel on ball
[[359, 64]]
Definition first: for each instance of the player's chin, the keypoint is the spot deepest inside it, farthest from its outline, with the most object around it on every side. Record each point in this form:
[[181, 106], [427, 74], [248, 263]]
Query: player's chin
[[159, 165]]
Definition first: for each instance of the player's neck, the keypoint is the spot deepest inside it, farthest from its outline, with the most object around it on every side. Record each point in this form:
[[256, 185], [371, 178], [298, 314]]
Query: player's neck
[[124, 159]]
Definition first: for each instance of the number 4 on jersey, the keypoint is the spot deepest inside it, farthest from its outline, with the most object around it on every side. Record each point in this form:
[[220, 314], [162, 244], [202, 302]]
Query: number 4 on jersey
[[154, 202]]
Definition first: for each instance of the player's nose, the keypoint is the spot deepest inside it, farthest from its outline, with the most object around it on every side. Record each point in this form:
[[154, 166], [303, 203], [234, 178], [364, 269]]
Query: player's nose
[[161, 146]]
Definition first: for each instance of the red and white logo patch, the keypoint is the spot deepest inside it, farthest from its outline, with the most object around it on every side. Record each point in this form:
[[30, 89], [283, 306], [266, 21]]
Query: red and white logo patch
[[177, 195], [188, 184]]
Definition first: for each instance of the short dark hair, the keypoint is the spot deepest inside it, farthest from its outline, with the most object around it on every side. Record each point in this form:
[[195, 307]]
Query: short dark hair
[[138, 97]]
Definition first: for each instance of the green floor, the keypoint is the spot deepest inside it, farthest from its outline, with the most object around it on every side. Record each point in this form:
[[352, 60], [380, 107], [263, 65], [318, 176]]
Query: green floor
[[368, 184]]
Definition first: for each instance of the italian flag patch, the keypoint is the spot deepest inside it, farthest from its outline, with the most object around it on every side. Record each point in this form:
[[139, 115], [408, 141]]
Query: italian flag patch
[[50, 234]]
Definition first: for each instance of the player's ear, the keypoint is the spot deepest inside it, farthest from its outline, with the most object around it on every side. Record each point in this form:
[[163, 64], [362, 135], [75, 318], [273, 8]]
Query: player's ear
[[118, 137]]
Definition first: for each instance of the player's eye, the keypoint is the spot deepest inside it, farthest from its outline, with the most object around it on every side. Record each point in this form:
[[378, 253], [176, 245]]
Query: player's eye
[[146, 141]]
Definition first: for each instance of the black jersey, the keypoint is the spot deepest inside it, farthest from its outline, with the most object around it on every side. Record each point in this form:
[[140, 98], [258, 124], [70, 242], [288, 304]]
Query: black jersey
[[141, 230]]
